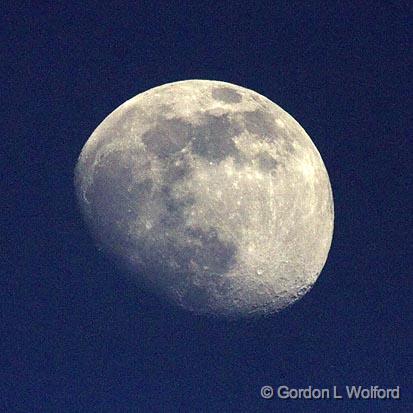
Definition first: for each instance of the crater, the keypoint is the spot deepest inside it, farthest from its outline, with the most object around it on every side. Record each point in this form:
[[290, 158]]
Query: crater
[[227, 95]]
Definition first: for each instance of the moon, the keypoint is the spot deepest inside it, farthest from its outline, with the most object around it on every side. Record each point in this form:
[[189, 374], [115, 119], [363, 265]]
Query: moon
[[211, 196]]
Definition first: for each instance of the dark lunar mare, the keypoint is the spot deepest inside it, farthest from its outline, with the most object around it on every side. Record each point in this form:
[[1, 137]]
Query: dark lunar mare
[[261, 123], [201, 256], [226, 94], [266, 162], [167, 137], [213, 139]]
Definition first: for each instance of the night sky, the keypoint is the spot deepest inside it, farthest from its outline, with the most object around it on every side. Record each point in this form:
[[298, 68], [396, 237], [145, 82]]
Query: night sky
[[76, 335]]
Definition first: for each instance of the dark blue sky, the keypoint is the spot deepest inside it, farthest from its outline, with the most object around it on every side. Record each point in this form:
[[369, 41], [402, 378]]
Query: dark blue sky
[[77, 337]]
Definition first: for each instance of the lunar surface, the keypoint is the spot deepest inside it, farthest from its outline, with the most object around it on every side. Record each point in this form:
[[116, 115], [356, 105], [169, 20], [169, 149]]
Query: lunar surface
[[210, 195]]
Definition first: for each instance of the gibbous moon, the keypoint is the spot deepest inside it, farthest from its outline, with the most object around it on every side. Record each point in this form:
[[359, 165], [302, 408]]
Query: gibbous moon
[[210, 195]]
